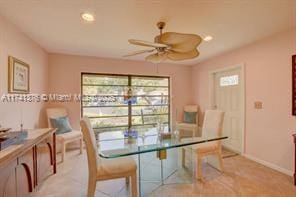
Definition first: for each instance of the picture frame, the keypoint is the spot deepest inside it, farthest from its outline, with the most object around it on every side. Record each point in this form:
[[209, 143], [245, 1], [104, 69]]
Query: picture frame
[[294, 85], [18, 76]]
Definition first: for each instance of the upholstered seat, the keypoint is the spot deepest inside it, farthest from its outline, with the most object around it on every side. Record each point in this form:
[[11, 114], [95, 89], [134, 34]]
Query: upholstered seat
[[70, 135], [105, 169], [187, 125], [206, 148]]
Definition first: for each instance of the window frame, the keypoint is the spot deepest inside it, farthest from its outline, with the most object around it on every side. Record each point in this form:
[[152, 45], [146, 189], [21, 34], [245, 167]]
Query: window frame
[[129, 105], [234, 77]]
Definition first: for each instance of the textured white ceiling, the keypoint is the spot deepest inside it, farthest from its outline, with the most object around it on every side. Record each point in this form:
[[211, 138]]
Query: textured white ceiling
[[56, 24]]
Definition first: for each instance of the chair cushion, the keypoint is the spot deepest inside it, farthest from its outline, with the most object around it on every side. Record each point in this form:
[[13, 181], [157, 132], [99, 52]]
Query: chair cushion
[[205, 147], [62, 124], [186, 126], [117, 166], [69, 136], [189, 117]]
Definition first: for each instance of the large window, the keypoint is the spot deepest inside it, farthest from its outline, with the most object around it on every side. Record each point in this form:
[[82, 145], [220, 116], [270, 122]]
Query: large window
[[116, 102]]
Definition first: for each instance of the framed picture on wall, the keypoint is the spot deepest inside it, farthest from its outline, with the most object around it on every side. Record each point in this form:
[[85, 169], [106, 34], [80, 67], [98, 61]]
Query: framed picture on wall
[[18, 76], [294, 85]]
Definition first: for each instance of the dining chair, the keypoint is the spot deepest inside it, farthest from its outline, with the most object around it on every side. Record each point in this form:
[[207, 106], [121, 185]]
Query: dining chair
[[64, 138], [105, 169], [188, 129], [213, 123]]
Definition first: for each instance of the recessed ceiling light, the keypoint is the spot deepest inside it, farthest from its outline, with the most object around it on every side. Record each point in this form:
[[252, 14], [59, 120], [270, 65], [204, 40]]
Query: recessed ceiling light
[[88, 17], [208, 38]]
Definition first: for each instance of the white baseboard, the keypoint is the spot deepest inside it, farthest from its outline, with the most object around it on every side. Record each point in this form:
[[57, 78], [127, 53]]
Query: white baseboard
[[270, 165]]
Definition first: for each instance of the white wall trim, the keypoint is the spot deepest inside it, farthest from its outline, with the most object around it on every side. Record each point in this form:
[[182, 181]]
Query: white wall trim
[[270, 165], [240, 66]]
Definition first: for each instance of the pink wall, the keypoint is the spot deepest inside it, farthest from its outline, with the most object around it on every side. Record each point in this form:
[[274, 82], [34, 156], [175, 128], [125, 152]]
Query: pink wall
[[268, 79], [15, 43], [65, 72]]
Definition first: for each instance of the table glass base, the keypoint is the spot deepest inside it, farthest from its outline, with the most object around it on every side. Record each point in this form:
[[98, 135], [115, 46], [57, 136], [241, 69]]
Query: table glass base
[[156, 169]]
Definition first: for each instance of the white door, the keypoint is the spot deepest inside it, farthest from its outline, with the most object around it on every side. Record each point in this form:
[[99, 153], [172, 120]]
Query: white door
[[227, 97]]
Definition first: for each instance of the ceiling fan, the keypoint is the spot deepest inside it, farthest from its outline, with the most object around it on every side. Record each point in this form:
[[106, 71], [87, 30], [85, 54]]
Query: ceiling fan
[[169, 45]]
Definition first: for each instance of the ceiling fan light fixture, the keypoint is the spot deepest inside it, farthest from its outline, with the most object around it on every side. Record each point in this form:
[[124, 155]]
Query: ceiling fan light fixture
[[208, 38], [88, 17]]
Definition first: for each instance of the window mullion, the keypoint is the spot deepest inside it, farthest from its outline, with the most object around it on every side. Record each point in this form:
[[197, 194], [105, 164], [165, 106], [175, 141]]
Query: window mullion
[[129, 104]]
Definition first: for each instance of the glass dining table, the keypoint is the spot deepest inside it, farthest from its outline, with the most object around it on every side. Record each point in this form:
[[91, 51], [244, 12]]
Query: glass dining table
[[162, 158]]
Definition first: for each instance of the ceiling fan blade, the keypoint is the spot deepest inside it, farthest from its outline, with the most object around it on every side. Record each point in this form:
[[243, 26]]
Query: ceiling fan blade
[[147, 44], [157, 57], [139, 52], [182, 56], [180, 42]]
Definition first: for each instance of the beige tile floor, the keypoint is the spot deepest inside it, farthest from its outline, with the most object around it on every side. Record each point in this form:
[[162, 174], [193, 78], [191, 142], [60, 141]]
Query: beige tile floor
[[242, 177]]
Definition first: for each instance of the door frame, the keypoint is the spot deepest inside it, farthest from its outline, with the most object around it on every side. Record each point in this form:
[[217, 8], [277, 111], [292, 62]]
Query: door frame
[[241, 67]]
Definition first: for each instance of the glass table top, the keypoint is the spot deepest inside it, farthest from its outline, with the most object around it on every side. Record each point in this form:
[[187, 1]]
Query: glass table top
[[116, 144]]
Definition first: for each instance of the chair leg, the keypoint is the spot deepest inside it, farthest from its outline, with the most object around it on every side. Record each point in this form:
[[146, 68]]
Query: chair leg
[[220, 161], [134, 185], [196, 166], [199, 167], [63, 151], [81, 145], [127, 180], [91, 187], [183, 157]]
